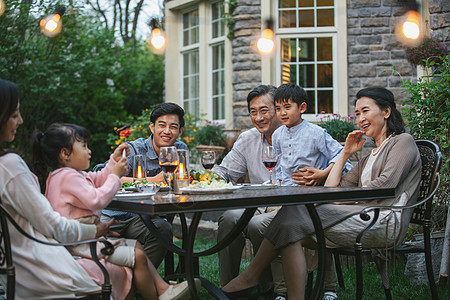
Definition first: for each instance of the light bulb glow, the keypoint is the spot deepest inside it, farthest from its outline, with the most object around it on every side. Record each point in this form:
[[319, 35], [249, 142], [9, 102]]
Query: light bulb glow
[[51, 25], [409, 29], [266, 44], [2, 7], [156, 41]]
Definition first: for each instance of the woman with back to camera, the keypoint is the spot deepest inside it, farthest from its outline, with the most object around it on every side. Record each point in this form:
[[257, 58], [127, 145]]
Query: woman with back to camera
[[46, 271], [395, 163]]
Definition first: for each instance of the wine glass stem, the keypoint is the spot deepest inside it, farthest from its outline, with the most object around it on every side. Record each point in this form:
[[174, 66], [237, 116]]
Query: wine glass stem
[[270, 172], [170, 187]]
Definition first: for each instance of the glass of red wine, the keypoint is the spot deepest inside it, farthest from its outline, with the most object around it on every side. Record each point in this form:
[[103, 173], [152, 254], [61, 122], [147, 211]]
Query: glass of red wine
[[208, 159], [168, 161], [269, 159]]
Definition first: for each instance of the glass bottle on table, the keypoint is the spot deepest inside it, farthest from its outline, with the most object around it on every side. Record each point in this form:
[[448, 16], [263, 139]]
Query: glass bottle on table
[[269, 159], [168, 161], [208, 159]]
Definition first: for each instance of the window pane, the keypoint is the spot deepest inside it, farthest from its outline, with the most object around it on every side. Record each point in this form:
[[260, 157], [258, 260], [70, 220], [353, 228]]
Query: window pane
[[306, 49], [325, 17], [324, 49], [325, 2], [310, 108], [288, 52], [185, 88], [306, 18], [215, 83], [287, 19], [325, 75], [286, 3], [325, 101], [190, 28], [289, 74], [217, 20], [306, 76], [306, 3]]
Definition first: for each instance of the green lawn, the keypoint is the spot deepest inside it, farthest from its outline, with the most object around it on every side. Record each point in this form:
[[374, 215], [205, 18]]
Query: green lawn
[[401, 287]]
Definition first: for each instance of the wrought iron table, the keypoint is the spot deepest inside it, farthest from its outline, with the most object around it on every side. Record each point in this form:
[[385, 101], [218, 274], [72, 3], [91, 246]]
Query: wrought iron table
[[249, 199]]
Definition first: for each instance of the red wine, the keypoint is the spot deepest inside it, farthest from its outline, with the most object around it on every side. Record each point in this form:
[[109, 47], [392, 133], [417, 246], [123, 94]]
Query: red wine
[[208, 166], [169, 168], [269, 164]]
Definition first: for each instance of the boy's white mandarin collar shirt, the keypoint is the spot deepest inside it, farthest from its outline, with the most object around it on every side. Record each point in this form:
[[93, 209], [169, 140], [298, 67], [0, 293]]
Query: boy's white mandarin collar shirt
[[304, 145]]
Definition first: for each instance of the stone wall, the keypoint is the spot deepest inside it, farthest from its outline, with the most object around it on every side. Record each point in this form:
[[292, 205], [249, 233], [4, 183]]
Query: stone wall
[[440, 20], [373, 50], [246, 65]]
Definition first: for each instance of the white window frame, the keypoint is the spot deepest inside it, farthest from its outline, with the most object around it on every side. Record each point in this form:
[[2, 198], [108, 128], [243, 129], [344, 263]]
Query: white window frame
[[338, 32], [212, 42], [186, 50]]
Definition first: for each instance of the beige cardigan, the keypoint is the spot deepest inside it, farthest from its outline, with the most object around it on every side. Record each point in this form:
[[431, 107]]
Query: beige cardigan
[[398, 166]]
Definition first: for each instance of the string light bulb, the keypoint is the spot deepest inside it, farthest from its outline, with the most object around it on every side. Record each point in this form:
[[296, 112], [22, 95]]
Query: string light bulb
[[409, 29], [51, 25], [157, 39], [265, 43], [2, 7]]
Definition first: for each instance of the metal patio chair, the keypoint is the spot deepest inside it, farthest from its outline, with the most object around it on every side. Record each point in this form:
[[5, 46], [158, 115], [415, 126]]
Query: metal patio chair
[[431, 158], [7, 265]]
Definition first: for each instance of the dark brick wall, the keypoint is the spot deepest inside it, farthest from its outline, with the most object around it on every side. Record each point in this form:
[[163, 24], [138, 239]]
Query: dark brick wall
[[440, 20], [373, 50]]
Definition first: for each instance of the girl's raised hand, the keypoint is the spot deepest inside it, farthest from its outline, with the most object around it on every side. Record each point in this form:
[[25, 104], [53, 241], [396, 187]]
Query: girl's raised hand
[[121, 168], [119, 151]]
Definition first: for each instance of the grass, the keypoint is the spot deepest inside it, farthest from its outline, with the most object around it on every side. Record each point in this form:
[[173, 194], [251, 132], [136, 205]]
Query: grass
[[401, 286]]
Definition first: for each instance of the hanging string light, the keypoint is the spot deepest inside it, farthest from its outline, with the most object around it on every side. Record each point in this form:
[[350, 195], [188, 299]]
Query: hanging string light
[[51, 25], [156, 41], [2, 7], [265, 43], [409, 29]]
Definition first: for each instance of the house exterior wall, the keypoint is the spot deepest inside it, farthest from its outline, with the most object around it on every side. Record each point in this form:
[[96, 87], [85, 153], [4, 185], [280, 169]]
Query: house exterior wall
[[439, 20], [372, 49], [246, 65]]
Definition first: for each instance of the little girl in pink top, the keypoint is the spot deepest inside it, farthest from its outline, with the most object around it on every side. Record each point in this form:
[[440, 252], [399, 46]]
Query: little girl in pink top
[[81, 195]]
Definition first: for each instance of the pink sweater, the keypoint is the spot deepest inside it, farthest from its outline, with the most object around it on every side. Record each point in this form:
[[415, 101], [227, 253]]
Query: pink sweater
[[80, 194]]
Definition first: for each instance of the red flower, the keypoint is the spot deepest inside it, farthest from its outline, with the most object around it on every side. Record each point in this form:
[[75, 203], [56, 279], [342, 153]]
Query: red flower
[[125, 133]]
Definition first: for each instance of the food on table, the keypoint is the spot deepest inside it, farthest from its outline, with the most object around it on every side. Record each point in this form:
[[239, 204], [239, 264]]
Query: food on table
[[203, 175], [213, 184]]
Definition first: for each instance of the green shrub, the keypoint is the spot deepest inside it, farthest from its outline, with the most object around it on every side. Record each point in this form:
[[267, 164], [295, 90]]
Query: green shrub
[[337, 126], [210, 133], [428, 114]]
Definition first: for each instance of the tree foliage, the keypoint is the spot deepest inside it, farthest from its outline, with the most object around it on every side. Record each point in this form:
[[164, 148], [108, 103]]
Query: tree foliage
[[82, 76]]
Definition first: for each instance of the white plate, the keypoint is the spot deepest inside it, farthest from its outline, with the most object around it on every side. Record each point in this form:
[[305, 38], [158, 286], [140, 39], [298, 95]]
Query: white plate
[[223, 190], [259, 186], [133, 195]]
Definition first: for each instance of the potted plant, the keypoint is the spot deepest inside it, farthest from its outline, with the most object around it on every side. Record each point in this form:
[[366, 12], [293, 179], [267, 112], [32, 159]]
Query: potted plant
[[210, 136], [430, 50]]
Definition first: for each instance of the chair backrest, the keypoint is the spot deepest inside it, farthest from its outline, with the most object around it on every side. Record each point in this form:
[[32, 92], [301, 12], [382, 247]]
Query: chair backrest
[[431, 158], [6, 262]]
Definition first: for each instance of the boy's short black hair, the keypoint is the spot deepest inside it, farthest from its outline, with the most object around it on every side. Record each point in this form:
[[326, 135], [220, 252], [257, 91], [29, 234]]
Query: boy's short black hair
[[290, 91], [258, 91], [168, 108]]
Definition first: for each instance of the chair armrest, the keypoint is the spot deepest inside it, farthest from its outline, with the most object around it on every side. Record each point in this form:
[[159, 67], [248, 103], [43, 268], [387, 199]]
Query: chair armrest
[[366, 217], [107, 250], [364, 213]]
